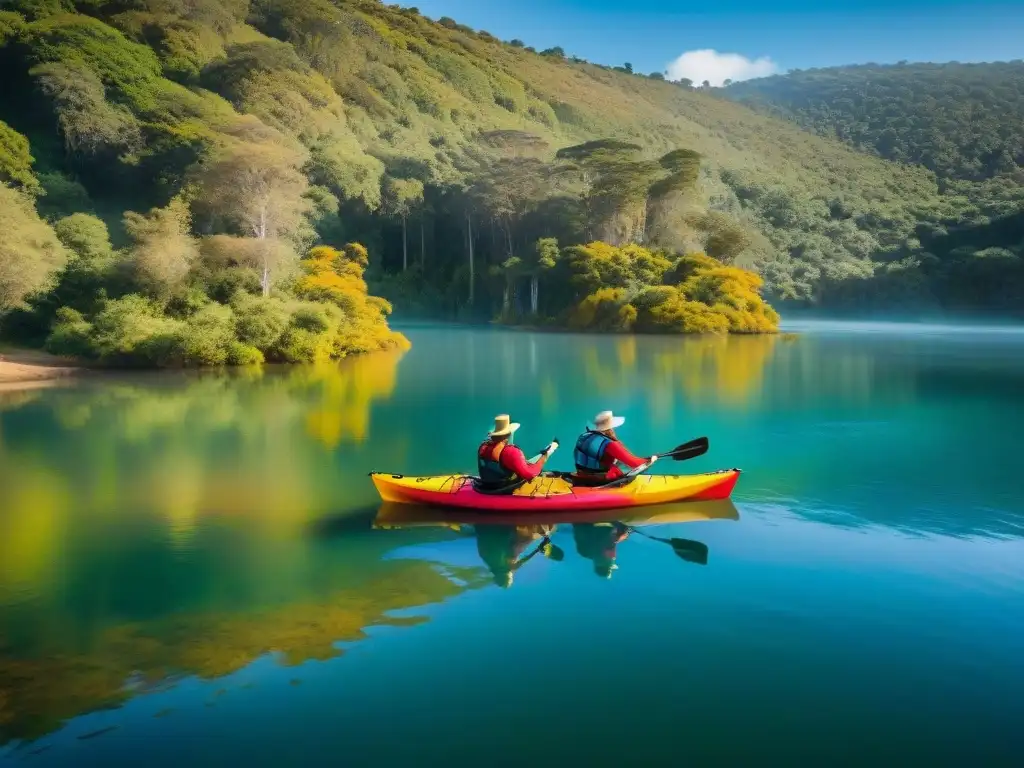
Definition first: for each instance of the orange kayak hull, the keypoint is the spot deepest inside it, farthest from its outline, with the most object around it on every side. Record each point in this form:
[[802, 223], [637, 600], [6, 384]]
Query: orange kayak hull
[[554, 493]]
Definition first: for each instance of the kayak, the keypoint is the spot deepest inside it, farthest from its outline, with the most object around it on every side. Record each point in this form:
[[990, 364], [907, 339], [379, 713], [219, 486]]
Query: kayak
[[554, 492], [391, 515]]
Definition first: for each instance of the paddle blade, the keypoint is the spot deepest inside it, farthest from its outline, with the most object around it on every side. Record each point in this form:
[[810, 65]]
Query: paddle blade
[[553, 552], [689, 450], [690, 551]]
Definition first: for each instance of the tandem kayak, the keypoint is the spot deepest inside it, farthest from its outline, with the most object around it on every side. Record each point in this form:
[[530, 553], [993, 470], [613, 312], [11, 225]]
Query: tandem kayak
[[554, 492]]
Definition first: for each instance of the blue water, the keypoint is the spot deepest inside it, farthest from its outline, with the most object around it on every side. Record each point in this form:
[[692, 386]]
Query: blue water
[[189, 568]]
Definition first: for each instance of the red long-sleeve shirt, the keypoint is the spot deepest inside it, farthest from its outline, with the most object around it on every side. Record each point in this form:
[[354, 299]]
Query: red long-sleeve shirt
[[617, 452], [514, 460], [621, 454]]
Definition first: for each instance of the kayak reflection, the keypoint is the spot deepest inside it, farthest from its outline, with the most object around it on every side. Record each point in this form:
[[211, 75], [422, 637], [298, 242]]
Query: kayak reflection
[[507, 542]]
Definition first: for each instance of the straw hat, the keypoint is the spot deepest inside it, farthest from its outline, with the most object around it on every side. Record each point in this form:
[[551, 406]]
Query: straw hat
[[606, 420], [503, 425]]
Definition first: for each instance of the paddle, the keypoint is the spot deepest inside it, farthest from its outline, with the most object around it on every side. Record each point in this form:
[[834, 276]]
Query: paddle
[[552, 551], [689, 550], [690, 450], [546, 548], [549, 450]]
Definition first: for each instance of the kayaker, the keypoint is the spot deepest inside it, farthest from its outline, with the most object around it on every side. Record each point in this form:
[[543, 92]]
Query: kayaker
[[599, 449], [502, 464]]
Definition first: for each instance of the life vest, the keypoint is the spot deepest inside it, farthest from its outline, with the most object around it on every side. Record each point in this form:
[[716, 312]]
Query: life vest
[[489, 466], [589, 454]]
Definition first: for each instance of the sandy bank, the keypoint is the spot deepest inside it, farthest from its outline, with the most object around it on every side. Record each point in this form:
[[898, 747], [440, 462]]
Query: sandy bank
[[25, 369]]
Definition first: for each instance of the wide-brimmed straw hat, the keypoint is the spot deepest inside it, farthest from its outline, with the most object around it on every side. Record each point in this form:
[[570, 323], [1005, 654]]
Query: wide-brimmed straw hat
[[606, 420], [503, 425]]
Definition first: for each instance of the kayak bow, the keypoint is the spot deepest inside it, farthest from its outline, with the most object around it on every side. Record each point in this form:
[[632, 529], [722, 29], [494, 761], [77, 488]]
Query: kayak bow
[[554, 493]]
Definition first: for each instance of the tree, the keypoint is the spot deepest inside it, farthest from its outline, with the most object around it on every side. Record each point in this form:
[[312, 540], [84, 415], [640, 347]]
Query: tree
[[88, 122], [506, 190], [618, 184], [472, 267], [61, 196], [400, 198], [84, 235], [338, 162], [509, 272], [668, 196], [30, 254], [163, 249], [257, 190], [557, 52], [628, 67], [16, 160], [657, 75], [724, 238], [517, 43], [543, 258]]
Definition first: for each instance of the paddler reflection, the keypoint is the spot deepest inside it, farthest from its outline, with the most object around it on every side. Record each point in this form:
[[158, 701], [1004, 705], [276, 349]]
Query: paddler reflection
[[506, 543], [598, 542], [507, 548]]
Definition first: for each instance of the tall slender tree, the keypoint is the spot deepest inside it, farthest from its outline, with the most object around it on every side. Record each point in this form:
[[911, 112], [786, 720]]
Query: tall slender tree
[[401, 197]]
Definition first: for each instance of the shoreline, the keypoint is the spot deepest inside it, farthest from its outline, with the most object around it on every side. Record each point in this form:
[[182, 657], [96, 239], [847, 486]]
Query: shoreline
[[585, 332], [22, 369]]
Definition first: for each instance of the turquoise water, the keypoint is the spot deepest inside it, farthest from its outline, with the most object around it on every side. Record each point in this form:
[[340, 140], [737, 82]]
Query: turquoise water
[[190, 568]]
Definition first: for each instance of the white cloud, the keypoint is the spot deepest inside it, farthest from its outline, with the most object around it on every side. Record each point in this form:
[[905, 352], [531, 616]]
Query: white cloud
[[717, 67]]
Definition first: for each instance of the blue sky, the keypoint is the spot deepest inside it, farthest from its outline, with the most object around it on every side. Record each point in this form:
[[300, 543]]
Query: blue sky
[[789, 33]]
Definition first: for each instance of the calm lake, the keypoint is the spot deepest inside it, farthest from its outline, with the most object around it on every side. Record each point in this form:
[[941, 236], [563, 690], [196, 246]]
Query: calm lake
[[194, 568]]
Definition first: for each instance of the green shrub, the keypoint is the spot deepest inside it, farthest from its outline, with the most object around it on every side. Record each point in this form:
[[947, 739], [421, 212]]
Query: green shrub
[[187, 302], [259, 322], [299, 345], [207, 336], [542, 112], [70, 336], [311, 318], [122, 329], [654, 296], [85, 235], [243, 354]]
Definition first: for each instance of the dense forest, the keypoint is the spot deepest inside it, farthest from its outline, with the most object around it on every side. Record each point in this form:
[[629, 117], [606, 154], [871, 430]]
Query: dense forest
[[963, 122], [227, 181]]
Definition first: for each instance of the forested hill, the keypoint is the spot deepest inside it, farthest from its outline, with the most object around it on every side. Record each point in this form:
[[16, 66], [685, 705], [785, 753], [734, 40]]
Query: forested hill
[[174, 152], [962, 121]]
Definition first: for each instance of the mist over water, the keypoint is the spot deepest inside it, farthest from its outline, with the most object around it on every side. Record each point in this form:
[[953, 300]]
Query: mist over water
[[901, 327]]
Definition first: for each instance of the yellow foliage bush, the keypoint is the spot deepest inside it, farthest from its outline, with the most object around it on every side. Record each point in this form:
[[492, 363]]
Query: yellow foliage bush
[[604, 310], [331, 276], [677, 315], [336, 277], [633, 288]]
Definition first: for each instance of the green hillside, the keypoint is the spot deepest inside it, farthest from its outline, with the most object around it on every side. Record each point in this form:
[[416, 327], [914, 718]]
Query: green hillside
[[964, 122], [436, 147]]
